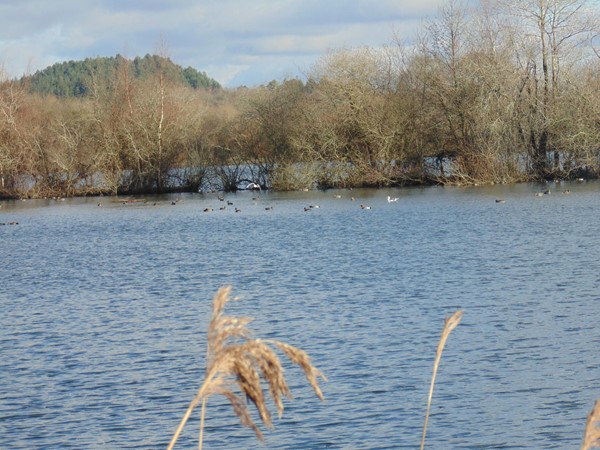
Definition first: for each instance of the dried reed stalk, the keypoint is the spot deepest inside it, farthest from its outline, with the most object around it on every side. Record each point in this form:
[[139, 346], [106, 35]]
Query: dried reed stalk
[[591, 437], [234, 358], [450, 324]]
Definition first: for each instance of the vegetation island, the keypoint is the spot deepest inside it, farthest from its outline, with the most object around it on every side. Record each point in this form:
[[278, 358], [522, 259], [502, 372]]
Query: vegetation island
[[506, 92]]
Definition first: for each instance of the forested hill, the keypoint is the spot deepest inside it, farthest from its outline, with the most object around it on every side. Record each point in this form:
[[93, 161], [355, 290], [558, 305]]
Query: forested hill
[[76, 78]]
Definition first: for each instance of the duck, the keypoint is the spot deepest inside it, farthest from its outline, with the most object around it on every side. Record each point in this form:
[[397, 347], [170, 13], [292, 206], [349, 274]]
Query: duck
[[207, 209], [269, 208], [392, 199], [365, 207], [500, 200], [237, 210]]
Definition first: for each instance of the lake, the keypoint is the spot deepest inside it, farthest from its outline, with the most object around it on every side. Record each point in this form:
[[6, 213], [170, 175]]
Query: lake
[[105, 306]]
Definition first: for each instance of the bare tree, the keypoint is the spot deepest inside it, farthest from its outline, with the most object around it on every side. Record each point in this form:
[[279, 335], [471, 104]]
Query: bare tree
[[11, 98], [549, 35], [354, 115], [451, 87]]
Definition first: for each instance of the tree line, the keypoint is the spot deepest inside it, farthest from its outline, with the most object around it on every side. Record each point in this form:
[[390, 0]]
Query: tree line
[[75, 78], [506, 91]]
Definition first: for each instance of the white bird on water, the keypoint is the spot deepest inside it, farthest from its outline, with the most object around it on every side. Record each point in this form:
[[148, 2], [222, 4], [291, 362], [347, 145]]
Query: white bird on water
[[392, 199]]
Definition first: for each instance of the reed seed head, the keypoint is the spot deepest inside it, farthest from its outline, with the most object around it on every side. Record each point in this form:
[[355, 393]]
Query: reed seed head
[[591, 437], [236, 362]]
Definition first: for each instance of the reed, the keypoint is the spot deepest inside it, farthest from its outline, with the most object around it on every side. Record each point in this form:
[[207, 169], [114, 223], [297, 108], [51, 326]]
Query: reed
[[235, 365], [450, 324], [591, 436]]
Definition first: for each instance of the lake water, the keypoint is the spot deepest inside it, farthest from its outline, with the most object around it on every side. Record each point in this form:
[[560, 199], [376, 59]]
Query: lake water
[[104, 311]]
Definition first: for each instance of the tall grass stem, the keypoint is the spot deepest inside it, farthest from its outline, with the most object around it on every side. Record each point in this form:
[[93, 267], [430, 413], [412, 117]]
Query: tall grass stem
[[449, 325], [202, 415]]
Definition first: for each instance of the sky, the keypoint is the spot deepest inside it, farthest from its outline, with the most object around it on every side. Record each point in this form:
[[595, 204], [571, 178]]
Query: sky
[[236, 42]]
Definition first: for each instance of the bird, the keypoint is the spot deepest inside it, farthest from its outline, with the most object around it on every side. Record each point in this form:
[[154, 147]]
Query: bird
[[208, 209], [269, 208], [238, 210], [539, 194], [253, 186], [547, 192], [314, 206], [500, 200], [365, 207], [392, 199]]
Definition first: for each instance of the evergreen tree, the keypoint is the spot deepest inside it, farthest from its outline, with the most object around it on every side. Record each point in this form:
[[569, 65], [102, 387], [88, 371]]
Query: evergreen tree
[[74, 78]]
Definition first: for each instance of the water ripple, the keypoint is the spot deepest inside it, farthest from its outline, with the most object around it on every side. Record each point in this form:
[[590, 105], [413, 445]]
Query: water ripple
[[105, 310]]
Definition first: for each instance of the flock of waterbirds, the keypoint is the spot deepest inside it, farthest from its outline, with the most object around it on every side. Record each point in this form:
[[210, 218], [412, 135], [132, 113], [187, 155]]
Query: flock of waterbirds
[[547, 191], [309, 208], [226, 203]]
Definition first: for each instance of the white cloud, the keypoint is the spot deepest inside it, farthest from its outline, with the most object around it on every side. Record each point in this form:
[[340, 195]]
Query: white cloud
[[233, 41]]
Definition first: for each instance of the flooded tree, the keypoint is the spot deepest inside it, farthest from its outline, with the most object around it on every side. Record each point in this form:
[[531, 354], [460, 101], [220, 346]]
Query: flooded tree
[[493, 91], [351, 118], [11, 163], [551, 39]]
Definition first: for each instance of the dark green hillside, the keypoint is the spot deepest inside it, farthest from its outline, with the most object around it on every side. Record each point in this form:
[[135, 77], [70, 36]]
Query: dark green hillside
[[74, 78]]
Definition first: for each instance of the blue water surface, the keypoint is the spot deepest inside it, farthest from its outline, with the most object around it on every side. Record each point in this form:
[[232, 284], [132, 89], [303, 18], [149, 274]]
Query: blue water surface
[[105, 304]]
